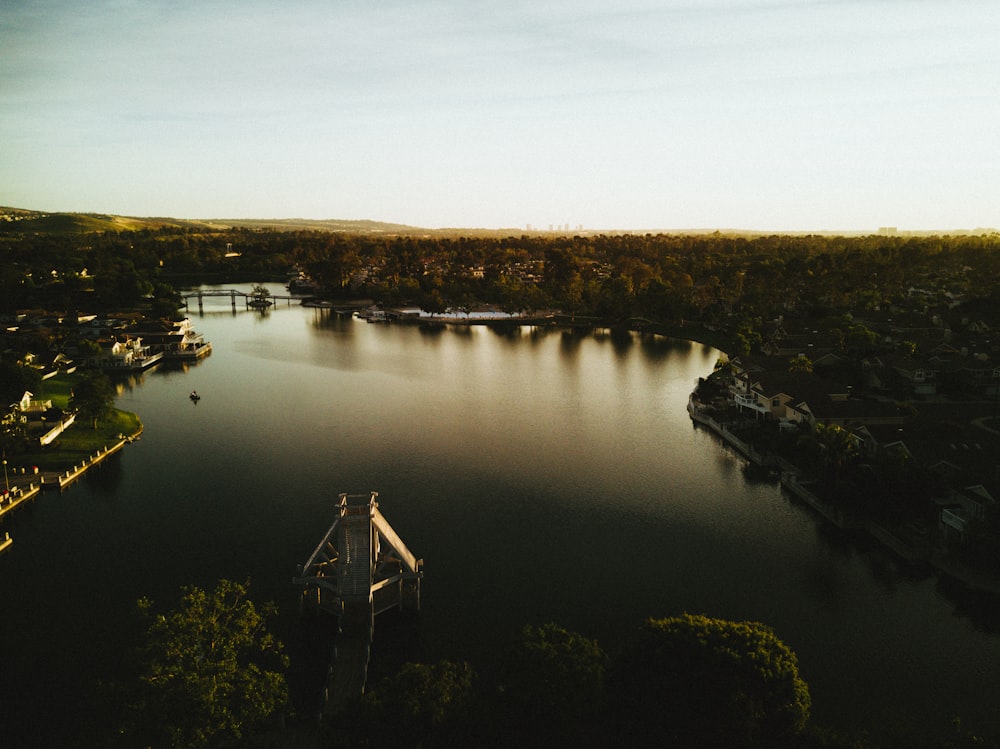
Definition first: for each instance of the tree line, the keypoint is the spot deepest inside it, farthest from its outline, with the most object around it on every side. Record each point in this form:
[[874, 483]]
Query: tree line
[[724, 279], [209, 672]]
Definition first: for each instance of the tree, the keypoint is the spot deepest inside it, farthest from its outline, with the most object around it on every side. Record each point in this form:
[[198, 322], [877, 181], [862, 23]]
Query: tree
[[211, 669], [837, 447], [417, 704], [693, 681], [800, 363], [552, 672], [93, 396], [166, 302], [15, 379]]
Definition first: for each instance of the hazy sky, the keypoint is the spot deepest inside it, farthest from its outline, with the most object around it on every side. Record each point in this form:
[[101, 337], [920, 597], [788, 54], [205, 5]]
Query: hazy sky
[[641, 114]]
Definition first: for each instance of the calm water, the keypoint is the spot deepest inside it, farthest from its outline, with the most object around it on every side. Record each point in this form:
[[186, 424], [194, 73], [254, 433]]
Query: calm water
[[542, 476]]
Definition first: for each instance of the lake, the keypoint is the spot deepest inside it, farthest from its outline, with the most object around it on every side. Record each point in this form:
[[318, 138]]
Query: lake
[[542, 474]]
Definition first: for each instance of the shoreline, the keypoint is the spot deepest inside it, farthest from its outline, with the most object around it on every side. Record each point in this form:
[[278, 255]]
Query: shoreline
[[695, 333], [789, 479], [33, 469]]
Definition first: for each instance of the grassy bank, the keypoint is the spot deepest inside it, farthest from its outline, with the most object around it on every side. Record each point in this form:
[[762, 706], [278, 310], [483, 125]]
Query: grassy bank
[[81, 440]]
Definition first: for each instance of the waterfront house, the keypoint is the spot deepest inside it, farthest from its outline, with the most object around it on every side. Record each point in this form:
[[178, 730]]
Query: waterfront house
[[963, 507], [845, 412], [172, 339], [128, 354], [776, 395]]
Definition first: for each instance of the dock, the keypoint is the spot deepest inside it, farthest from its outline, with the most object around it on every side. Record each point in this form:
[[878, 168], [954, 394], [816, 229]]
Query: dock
[[250, 300], [359, 569], [64, 479], [17, 496]]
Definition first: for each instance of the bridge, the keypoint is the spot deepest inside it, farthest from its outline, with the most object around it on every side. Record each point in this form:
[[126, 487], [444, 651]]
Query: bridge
[[251, 299], [359, 569]]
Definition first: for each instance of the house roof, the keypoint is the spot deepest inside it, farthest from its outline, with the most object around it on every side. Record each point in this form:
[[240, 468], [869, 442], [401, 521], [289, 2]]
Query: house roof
[[802, 386]]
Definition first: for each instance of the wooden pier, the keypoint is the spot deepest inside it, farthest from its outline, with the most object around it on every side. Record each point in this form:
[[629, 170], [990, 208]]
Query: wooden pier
[[360, 568], [250, 300], [17, 496], [62, 480]]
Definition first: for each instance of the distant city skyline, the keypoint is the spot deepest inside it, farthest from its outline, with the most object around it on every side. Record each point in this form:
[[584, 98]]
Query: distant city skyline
[[780, 115]]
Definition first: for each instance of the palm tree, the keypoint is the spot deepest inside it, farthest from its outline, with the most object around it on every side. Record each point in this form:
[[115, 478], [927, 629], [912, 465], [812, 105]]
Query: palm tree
[[836, 446]]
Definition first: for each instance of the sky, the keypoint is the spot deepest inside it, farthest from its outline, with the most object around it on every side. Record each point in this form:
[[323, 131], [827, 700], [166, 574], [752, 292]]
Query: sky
[[778, 115]]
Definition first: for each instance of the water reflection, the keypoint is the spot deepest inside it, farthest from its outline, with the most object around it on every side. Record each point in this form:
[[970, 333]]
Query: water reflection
[[507, 459], [980, 608], [105, 480]]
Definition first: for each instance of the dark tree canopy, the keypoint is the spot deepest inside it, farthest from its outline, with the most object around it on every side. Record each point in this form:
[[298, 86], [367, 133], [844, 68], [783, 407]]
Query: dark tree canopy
[[15, 379], [211, 670], [694, 681], [419, 705], [553, 672], [93, 396]]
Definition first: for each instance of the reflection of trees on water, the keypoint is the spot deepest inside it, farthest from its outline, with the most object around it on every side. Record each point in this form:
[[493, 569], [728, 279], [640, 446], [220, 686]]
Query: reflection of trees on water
[[980, 607], [660, 348], [326, 319]]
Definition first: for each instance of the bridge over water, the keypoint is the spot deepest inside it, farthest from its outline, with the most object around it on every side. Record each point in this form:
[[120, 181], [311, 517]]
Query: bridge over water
[[250, 299], [359, 569]]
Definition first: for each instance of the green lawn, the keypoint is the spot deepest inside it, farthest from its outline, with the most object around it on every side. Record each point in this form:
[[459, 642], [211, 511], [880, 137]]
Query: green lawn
[[79, 441], [58, 388]]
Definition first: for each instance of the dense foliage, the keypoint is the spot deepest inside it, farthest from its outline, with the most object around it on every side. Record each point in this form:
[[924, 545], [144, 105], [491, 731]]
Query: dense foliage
[[418, 704], [553, 673], [684, 682], [211, 670], [93, 396], [722, 278], [698, 681]]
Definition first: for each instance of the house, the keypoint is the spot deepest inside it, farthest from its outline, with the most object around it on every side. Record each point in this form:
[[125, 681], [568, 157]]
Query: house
[[40, 420], [174, 340], [52, 363], [811, 345], [922, 374], [403, 313], [776, 394], [962, 508], [129, 354], [847, 413], [803, 398], [28, 406]]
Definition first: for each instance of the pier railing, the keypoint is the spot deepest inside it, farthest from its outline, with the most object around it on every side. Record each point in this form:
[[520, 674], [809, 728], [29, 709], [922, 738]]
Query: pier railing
[[359, 569]]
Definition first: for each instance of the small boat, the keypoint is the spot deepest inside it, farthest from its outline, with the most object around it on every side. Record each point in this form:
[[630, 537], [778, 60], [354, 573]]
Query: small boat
[[194, 396]]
